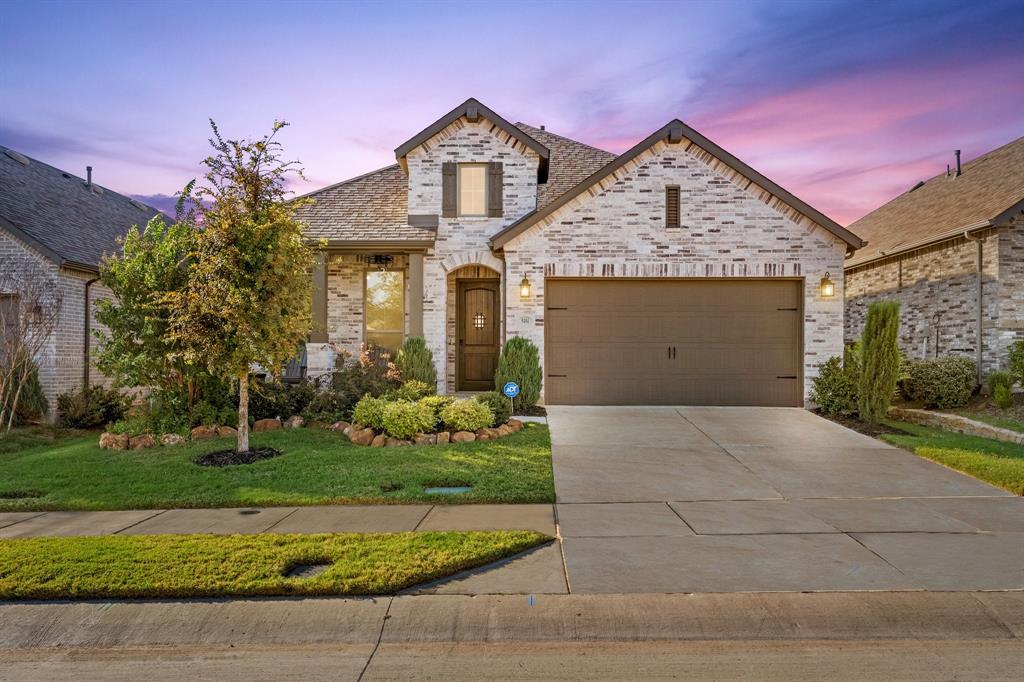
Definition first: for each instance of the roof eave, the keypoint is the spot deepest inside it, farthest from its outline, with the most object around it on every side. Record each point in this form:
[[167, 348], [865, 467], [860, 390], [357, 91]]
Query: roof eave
[[922, 243], [20, 234]]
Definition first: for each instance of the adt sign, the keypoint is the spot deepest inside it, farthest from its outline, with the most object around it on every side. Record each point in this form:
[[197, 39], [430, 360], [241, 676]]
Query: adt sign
[[511, 390]]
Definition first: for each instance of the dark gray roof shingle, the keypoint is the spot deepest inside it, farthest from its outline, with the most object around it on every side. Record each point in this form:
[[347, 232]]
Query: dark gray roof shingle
[[989, 186], [570, 163], [57, 212]]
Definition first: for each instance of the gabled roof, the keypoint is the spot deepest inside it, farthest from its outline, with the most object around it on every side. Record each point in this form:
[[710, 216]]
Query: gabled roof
[[988, 191], [71, 223], [570, 162], [371, 207], [472, 109], [676, 131]]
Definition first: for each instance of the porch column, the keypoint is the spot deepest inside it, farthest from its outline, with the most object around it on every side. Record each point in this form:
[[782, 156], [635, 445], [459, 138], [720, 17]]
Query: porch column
[[318, 333], [415, 294]]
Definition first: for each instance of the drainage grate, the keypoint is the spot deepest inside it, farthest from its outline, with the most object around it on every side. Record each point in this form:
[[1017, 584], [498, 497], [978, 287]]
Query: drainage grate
[[305, 570], [447, 489]]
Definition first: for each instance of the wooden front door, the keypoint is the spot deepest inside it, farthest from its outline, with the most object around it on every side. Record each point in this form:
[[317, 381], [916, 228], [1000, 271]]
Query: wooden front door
[[478, 330]]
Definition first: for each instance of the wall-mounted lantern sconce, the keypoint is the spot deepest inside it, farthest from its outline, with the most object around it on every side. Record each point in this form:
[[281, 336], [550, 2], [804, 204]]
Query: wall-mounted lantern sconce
[[524, 289], [828, 287], [479, 320]]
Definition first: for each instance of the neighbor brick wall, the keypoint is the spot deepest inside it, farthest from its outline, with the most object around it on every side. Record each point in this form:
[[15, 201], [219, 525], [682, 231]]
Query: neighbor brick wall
[[726, 231]]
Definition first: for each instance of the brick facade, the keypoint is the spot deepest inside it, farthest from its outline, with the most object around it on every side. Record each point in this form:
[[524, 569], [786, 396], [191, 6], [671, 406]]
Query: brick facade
[[937, 290]]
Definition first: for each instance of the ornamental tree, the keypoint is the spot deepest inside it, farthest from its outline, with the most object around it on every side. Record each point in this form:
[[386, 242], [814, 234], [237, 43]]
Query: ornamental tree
[[247, 300]]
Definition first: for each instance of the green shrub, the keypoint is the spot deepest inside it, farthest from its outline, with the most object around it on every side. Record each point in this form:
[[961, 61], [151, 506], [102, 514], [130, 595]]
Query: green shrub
[[369, 411], [403, 419], [835, 388], [411, 390], [415, 362], [372, 373], [270, 399], [436, 403], [500, 406], [1016, 360], [466, 415], [880, 361], [32, 403], [520, 362], [91, 407], [941, 382], [328, 407], [1002, 396], [132, 426]]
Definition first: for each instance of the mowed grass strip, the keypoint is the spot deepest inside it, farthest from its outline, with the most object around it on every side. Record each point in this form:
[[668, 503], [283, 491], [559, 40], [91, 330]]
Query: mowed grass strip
[[996, 462], [317, 467], [165, 566]]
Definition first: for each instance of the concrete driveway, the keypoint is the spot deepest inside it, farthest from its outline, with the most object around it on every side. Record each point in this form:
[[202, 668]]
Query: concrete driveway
[[695, 499]]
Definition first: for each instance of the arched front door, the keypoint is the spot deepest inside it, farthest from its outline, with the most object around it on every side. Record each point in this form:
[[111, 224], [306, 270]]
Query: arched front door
[[478, 334]]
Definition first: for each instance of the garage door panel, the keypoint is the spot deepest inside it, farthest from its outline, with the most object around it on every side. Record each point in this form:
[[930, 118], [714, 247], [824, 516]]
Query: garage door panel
[[736, 342]]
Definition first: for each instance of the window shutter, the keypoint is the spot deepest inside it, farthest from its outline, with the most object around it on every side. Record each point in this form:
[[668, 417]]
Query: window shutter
[[495, 189], [671, 206], [449, 187]]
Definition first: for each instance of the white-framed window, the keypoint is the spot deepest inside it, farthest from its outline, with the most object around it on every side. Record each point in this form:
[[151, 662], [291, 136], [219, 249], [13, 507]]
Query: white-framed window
[[472, 189], [384, 309]]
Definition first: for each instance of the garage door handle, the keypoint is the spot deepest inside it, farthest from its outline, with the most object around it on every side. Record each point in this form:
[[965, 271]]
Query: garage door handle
[[788, 376]]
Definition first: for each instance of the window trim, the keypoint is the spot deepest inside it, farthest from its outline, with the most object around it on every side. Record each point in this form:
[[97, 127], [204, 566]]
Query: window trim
[[486, 167], [405, 311]]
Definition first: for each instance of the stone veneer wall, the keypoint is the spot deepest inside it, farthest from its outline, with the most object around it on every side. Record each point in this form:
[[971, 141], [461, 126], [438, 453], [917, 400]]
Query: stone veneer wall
[[727, 230], [463, 240], [937, 290]]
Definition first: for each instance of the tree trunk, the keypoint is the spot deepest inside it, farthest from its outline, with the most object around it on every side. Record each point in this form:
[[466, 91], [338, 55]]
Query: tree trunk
[[243, 413]]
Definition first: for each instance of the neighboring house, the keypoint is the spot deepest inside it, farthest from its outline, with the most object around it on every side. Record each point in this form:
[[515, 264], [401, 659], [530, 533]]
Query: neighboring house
[[951, 250], [63, 225], [672, 274]]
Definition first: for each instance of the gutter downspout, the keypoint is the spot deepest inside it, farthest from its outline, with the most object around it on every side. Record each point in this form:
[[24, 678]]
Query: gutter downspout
[[86, 345], [980, 241]]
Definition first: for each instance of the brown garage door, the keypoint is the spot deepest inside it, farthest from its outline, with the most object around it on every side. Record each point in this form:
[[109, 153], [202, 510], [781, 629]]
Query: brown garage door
[[673, 342]]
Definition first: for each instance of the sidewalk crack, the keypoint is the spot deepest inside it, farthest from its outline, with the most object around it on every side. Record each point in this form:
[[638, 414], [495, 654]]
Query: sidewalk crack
[[380, 636]]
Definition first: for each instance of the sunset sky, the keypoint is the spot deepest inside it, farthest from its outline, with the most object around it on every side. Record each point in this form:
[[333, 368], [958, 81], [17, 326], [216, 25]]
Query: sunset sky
[[847, 104]]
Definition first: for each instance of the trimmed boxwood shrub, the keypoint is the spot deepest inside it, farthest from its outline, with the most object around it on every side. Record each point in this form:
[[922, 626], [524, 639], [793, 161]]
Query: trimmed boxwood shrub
[[880, 361], [436, 403], [369, 411], [520, 362], [835, 388], [415, 362], [91, 407], [941, 382], [500, 406], [403, 419], [466, 415]]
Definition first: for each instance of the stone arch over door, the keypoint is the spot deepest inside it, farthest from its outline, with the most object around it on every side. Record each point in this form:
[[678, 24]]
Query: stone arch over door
[[463, 272]]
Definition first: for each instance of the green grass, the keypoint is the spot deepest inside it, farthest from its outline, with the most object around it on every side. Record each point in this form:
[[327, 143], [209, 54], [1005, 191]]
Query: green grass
[[993, 461], [994, 420], [168, 566], [24, 438], [317, 467]]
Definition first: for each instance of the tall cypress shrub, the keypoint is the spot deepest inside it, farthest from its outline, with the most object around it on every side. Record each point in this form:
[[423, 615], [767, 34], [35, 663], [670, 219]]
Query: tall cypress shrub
[[416, 362], [880, 360], [520, 362]]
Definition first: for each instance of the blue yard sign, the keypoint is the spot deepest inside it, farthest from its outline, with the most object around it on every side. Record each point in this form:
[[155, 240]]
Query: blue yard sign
[[511, 389]]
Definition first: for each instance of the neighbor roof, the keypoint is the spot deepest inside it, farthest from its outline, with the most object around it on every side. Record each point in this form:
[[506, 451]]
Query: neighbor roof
[[675, 131], [55, 212], [989, 190]]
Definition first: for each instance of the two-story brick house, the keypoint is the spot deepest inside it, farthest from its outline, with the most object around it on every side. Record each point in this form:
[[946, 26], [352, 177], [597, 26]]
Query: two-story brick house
[[671, 274]]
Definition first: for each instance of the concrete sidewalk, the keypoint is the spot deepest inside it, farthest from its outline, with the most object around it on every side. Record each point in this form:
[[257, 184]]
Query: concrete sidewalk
[[726, 636]]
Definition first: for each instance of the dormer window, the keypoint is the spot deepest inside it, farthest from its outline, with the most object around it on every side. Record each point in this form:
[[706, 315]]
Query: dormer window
[[472, 189]]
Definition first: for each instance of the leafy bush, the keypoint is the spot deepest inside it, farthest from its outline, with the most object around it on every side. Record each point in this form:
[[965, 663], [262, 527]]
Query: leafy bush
[[1016, 360], [132, 426], [369, 411], [372, 373], [91, 407], [520, 362], [501, 407], [436, 403], [411, 390], [941, 382], [880, 361], [328, 407], [415, 361], [1000, 387], [835, 388], [32, 403], [404, 419], [271, 399], [466, 415]]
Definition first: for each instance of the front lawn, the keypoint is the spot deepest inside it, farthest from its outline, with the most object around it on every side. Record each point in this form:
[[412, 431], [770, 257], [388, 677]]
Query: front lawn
[[317, 467], [1004, 420], [172, 566], [996, 462]]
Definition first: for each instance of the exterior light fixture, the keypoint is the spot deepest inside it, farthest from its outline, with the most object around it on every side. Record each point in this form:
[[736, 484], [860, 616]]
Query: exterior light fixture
[[828, 287], [524, 289], [478, 320]]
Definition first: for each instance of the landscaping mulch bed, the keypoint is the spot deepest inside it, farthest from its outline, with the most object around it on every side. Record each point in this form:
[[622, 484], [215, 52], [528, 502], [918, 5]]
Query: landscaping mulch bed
[[535, 411], [873, 430], [224, 458]]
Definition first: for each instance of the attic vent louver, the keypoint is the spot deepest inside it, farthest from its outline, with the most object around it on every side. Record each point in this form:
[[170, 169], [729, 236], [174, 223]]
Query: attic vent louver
[[23, 160]]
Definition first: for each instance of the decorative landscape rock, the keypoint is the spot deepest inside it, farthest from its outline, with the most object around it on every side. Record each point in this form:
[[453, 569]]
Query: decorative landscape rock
[[171, 439], [504, 430], [339, 426], [378, 441], [294, 422], [957, 423], [225, 431], [146, 440], [515, 425], [443, 438], [203, 433], [114, 441], [361, 436], [366, 436], [463, 437], [397, 443], [266, 425], [424, 438]]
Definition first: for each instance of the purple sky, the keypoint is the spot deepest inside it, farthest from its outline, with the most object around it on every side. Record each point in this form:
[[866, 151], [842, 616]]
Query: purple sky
[[847, 104]]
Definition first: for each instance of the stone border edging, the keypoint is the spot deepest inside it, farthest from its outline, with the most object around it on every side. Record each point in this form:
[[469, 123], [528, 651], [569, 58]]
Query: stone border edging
[[956, 423]]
